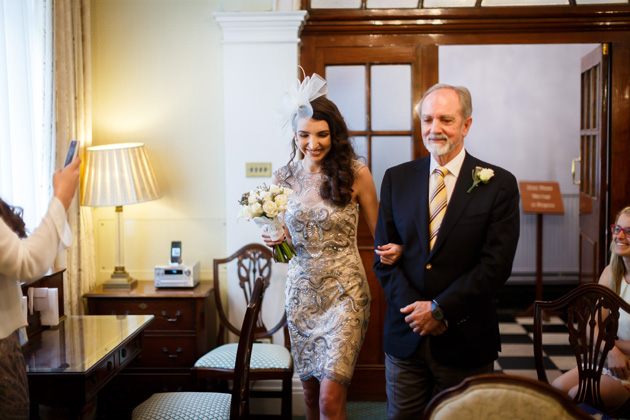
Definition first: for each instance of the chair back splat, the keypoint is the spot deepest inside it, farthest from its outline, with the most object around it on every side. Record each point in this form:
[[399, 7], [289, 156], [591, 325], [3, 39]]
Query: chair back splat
[[213, 405], [252, 261], [269, 361], [592, 322]]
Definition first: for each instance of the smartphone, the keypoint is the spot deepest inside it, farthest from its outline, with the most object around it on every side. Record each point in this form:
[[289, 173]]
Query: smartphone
[[176, 252], [71, 152]]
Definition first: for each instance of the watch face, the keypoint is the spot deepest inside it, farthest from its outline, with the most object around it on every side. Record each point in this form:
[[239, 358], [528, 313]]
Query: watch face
[[436, 312]]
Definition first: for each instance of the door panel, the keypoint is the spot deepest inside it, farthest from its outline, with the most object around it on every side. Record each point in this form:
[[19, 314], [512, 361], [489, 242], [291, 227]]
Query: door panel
[[375, 89], [593, 152]]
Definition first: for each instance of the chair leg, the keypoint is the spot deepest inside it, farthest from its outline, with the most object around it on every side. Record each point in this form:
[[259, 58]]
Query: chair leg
[[287, 399]]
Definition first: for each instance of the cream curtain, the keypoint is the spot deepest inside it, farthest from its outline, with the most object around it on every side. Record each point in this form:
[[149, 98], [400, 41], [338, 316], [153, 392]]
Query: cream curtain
[[74, 121]]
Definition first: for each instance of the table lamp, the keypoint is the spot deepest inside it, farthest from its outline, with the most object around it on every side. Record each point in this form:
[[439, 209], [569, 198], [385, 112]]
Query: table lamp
[[117, 175]]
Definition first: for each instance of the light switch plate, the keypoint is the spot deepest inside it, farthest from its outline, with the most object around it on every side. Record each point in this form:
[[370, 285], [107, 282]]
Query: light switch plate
[[258, 169]]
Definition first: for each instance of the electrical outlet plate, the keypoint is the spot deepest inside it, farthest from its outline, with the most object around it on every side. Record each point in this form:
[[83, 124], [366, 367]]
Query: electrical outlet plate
[[258, 169]]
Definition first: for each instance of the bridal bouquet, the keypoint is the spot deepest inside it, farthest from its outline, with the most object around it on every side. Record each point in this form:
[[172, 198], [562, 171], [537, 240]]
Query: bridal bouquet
[[263, 204]]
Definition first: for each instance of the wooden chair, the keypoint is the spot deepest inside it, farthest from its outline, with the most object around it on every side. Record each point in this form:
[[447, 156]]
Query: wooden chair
[[209, 405], [269, 361], [502, 396], [592, 322]]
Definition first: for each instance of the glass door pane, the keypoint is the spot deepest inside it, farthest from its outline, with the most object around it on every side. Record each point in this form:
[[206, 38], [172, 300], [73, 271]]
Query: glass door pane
[[391, 97], [346, 88]]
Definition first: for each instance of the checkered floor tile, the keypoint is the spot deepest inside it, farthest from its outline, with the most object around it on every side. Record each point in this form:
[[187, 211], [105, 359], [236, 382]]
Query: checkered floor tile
[[517, 343]]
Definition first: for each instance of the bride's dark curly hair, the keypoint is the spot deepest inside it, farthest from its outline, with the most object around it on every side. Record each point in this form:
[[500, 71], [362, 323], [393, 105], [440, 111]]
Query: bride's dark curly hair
[[12, 216], [337, 164]]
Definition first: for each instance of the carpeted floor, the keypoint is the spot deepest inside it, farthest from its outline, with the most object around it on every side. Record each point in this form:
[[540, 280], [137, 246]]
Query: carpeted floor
[[362, 411]]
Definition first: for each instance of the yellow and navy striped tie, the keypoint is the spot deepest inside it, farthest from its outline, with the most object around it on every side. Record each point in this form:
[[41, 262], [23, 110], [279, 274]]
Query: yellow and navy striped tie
[[437, 204]]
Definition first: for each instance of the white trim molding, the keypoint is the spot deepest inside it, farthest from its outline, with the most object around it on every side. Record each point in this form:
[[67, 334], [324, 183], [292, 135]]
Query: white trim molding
[[261, 27]]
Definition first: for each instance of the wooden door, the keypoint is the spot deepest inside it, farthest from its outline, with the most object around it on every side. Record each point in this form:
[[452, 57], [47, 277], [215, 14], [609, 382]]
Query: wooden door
[[593, 159], [376, 89]]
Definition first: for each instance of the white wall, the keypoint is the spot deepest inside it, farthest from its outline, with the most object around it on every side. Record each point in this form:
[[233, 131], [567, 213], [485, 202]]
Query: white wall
[[157, 78], [526, 105], [526, 118]]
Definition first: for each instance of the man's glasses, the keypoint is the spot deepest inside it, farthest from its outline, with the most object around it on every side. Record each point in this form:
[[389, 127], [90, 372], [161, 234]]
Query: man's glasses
[[616, 229]]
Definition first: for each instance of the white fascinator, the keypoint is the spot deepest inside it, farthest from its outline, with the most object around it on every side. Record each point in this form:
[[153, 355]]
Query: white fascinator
[[297, 100]]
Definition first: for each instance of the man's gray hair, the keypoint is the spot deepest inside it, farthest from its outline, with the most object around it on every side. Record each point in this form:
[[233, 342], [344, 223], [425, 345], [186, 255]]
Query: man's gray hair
[[464, 98]]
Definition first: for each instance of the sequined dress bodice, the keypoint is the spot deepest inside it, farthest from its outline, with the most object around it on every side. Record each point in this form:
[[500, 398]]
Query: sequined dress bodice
[[327, 296]]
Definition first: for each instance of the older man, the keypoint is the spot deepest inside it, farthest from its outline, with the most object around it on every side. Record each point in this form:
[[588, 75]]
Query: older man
[[459, 234]]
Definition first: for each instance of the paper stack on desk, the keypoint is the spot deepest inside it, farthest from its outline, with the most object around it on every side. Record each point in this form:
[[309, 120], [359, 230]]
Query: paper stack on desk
[[45, 301]]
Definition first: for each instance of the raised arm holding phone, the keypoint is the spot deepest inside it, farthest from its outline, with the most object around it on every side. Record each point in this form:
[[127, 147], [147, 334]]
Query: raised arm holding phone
[[25, 259]]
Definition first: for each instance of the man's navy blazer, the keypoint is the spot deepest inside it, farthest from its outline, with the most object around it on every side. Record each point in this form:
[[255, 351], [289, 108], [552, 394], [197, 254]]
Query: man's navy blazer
[[472, 258]]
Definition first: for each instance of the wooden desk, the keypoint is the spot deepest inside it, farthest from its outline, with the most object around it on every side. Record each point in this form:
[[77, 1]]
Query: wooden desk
[[67, 365], [184, 330]]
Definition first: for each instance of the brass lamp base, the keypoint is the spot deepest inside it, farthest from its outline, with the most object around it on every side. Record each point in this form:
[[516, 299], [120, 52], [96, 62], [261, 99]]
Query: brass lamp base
[[120, 279]]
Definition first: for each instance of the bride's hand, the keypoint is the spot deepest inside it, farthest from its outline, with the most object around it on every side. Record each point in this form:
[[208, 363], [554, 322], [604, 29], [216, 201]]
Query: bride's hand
[[267, 240], [389, 253]]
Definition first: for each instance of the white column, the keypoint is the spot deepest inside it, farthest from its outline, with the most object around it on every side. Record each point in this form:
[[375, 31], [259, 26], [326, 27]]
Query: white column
[[260, 60]]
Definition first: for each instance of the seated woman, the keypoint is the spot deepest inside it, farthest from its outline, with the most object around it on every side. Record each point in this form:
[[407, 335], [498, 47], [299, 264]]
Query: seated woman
[[615, 382]]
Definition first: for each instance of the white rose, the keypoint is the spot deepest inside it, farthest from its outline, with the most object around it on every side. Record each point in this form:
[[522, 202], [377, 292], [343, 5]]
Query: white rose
[[243, 212], [253, 197], [281, 200], [275, 189], [287, 191], [270, 209], [485, 175], [256, 210], [265, 195]]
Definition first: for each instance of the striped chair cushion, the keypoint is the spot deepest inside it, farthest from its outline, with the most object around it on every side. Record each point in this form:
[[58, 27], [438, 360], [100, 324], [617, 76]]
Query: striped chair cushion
[[264, 356], [184, 406]]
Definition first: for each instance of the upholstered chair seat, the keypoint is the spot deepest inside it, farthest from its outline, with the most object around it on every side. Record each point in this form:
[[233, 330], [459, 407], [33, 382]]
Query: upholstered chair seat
[[185, 406], [264, 356], [502, 396]]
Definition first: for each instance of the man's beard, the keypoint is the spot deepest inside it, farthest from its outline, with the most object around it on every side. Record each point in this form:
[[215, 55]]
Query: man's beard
[[437, 149]]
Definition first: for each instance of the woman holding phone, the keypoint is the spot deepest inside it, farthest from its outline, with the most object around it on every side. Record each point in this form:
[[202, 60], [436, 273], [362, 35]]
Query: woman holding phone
[[25, 259]]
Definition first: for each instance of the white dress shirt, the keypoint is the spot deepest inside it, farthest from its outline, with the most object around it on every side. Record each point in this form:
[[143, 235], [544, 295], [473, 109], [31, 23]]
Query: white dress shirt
[[27, 260], [454, 166]]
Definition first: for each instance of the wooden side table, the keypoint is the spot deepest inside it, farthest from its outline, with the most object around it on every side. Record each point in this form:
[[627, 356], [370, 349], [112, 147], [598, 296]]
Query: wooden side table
[[184, 329]]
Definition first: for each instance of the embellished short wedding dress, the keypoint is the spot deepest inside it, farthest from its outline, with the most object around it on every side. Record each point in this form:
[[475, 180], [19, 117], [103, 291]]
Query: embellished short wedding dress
[[327, 294]]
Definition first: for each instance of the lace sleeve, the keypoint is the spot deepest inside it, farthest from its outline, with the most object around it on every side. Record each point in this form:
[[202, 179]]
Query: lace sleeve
[[284, 175]]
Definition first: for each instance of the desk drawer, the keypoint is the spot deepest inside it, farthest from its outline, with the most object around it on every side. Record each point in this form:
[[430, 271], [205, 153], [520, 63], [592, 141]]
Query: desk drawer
[[105, 370], [170, 315], [167, 352]]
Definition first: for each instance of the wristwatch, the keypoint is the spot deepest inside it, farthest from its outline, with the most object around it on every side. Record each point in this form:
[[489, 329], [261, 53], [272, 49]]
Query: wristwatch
[[436, 311]]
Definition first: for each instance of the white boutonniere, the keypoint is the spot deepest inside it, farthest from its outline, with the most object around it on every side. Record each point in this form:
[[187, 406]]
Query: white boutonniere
[[480, 175]]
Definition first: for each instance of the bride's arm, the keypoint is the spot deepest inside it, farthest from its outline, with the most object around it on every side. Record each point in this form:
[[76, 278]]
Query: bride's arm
[[366, 195]]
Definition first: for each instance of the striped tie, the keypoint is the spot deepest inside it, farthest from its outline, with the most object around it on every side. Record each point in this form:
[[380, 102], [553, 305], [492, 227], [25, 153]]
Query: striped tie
[[437, 204]]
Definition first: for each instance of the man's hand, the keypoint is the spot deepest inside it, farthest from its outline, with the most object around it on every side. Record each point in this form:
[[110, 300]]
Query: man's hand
[[420, 319], [389, 253]]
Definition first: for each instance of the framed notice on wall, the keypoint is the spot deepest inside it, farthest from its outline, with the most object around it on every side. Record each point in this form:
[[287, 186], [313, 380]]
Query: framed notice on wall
[[541, 197]]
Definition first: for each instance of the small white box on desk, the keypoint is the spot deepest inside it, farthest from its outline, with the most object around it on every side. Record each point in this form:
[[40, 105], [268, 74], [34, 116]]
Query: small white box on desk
[[178, 275]]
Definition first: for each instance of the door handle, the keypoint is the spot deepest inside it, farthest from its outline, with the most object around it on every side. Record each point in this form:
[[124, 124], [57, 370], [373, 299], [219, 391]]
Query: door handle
[[573, 170]]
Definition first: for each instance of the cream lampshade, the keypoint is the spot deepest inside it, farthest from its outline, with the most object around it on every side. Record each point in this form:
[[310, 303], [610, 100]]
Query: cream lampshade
[[117, 175]]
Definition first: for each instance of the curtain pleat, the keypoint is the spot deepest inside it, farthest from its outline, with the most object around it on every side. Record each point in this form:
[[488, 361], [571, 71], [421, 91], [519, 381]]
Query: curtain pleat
[[74, 121]]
